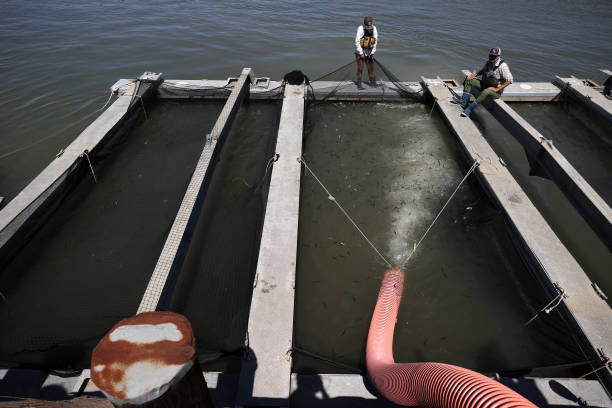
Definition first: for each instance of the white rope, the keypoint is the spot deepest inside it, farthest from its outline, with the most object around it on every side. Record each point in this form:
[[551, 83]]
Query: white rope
[[86, 154], [550, 306], [440, 212], [332, 198], [606, 363], [143, 108]]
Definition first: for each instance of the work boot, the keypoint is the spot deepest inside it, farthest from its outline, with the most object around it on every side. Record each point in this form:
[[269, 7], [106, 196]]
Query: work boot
[[468, 110], [463, 101], [359, 85], [373, 81]]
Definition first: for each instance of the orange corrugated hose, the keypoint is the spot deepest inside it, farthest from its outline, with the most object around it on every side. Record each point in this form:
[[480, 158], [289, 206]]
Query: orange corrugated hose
[[424, 384]]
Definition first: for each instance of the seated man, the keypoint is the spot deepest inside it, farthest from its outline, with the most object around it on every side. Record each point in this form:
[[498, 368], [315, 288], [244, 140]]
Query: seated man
[[495, 77]]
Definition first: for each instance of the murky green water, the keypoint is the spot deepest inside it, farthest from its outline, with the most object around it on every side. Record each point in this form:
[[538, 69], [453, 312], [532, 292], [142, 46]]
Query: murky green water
[[467, 292], [89, 265], [589, 157]]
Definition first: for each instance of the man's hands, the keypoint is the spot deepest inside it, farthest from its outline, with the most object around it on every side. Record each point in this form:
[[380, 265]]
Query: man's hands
[[471, 76]]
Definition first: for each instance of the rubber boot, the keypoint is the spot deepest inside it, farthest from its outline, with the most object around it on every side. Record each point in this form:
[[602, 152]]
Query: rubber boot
[[373, 81], [468, 110], [359, 85], [463, 101]]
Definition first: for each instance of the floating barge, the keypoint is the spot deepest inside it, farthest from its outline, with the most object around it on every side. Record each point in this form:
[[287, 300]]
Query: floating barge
[[269, 381]]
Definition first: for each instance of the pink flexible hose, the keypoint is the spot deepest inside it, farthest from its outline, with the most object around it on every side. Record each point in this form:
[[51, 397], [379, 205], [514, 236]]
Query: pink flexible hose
[[424, 384]]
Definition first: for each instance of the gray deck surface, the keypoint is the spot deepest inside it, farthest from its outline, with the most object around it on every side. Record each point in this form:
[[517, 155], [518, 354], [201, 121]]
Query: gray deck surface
[[546, 160], [172, 254], [588, 96], [584, 308], [323, 390], [266, 372]]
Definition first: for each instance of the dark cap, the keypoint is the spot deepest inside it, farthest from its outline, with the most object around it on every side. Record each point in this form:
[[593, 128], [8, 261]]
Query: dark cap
[[495, 51], [368, 19]]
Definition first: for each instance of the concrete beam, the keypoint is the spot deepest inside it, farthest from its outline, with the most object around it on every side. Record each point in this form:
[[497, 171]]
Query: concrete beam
[[587, 95], [162, 282], [548, 162], [21, 217], [585, 311], [266, 372]]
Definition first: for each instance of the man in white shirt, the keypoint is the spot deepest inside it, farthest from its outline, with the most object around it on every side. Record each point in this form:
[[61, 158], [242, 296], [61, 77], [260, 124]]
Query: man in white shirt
[[495, 75], [365, 47]]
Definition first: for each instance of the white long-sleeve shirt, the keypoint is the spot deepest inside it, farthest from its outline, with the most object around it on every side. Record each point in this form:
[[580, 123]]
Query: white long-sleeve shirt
[[358, 48]]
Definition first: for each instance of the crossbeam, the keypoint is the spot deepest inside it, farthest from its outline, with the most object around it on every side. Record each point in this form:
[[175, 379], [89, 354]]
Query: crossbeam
[[266, 370]]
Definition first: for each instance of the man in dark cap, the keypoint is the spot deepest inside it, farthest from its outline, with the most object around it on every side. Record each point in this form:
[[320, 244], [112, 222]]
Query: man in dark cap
[[365, 47], [495, 76]]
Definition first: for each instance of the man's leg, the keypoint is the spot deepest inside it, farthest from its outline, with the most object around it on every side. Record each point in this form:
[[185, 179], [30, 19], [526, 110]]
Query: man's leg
[[359, 70], [472, 83], [370, 63], [465, 99], [486, 94]]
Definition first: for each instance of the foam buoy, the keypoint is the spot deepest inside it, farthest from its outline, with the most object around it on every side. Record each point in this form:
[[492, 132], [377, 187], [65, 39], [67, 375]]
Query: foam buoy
[[424, 384], [148, 360]]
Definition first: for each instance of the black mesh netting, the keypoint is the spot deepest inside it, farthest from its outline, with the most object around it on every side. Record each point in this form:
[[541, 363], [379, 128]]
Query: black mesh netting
[[343, 79]]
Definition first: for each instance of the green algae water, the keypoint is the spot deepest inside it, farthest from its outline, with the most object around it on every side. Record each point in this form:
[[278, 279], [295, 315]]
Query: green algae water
[[467, 293]]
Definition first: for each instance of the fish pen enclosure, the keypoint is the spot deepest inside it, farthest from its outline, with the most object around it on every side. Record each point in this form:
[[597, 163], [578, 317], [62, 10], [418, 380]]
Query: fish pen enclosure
[[267, 213]]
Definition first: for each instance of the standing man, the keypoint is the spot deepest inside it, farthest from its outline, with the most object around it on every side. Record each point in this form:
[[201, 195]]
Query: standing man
[[496, 76], [365, 47]]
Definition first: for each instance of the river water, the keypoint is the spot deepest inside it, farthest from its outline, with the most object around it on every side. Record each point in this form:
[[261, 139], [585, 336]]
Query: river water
[[58, 59]]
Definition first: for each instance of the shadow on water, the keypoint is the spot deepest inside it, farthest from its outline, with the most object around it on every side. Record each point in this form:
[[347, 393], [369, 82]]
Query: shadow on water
[[572, 140], [215, 285]]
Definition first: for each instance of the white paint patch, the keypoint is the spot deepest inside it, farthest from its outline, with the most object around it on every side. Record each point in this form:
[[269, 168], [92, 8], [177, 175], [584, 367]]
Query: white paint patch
[[525, 86], [147, 380], [99, 368], [146, 333]]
